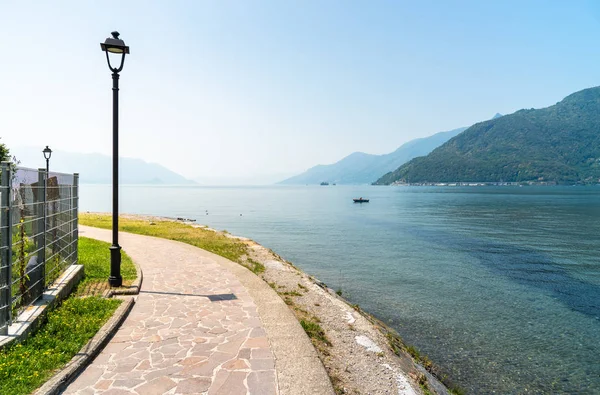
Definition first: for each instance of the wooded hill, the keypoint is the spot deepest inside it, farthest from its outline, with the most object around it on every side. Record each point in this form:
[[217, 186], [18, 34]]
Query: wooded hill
[[559, 143]]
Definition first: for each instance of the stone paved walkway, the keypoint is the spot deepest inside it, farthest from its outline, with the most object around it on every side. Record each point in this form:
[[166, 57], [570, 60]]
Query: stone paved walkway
[[196, 329]]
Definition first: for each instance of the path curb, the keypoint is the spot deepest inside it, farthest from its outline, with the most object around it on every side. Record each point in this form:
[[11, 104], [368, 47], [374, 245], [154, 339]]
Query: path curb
[[88, 352], [133, 289]]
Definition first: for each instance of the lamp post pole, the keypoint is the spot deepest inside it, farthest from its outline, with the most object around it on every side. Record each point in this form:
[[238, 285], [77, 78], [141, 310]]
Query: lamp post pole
[[115, 45], [115, 279]]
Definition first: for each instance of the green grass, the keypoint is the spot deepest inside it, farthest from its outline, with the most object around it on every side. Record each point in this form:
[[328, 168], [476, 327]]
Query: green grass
[[314, 331], [422, 381], [256, 266], [217, 243], [456, 390], [94, 255], [26, 366], [291, 293], [413, 352]]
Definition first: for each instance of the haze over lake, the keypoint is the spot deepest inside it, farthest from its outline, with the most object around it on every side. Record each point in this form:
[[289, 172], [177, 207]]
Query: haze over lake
[[498, 285]]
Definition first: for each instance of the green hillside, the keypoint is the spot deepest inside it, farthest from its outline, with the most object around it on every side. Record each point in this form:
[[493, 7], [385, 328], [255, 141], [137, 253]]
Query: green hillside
[[559, 143]]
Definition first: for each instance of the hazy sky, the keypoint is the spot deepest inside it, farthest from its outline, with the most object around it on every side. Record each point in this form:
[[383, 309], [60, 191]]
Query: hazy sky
[[240, 88]]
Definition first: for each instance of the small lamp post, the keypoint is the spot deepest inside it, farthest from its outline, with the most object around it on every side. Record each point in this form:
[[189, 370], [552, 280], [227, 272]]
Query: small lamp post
[[115, 45], [47, 154]]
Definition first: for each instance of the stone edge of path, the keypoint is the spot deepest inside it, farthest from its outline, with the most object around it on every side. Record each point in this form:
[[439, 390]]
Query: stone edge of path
[[88, 352], [133, 289], [298, 367]]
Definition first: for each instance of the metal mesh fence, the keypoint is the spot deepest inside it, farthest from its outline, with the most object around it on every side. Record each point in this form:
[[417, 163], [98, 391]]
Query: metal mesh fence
[[38, 225], [5, 248]]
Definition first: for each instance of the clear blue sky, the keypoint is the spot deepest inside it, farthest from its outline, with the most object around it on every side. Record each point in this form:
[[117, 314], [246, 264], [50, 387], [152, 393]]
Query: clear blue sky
[[223, 88]]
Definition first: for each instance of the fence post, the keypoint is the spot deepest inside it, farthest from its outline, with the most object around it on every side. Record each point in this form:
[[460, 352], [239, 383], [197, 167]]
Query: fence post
[[6, 249], [76, 215], [40, 240]]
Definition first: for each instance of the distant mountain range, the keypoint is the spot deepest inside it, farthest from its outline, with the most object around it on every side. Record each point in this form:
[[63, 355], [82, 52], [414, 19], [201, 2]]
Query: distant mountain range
[[97, 168], [560, 143], [362, 168]]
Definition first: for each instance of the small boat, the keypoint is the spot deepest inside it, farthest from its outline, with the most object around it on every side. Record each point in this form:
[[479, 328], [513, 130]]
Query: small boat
[[324, 183], [361, 200]]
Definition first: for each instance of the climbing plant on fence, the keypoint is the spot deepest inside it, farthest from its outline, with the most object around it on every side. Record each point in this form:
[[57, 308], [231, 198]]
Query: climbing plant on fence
[[38, 223]]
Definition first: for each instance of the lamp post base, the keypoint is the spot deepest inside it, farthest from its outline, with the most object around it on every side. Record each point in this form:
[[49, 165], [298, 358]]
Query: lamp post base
[[115, 279]]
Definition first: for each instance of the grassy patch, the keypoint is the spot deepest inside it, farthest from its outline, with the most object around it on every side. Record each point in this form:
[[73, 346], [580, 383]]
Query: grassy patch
[[338, 385], [456, 390], [291, 293], [314, 331], [414, 353], [422, 380], [303, 311], [25, 366], [256, 267], [94, 255], [209, 240]]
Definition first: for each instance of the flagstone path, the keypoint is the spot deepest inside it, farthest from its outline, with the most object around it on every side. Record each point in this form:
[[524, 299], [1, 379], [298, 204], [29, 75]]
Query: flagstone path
[[201, 325]]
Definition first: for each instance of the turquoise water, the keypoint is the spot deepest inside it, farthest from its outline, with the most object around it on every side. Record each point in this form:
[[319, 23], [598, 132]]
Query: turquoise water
[[500, 286]]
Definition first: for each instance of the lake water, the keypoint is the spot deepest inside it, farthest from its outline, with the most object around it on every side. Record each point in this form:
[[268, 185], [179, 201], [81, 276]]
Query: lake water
[[500, 286]]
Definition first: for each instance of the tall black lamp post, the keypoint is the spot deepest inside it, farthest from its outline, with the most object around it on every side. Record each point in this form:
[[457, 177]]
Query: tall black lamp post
[[115, 45]]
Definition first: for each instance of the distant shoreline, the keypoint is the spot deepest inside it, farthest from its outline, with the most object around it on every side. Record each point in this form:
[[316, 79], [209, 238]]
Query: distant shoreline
[[485, 184]]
